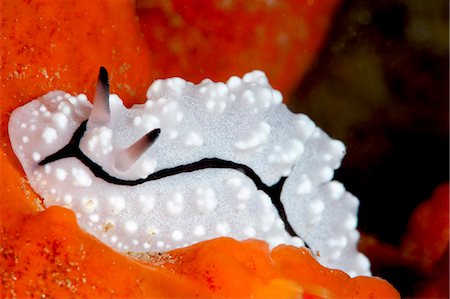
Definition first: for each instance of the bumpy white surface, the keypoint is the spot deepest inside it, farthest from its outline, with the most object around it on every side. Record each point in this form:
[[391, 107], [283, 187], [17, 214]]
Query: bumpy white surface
[[243, 121]]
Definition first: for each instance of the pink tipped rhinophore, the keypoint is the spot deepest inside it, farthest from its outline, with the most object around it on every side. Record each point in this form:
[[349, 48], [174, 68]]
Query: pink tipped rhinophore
[[100, 114]]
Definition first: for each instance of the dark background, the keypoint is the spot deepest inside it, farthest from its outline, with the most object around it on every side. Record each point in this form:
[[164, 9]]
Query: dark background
[[381, 85]]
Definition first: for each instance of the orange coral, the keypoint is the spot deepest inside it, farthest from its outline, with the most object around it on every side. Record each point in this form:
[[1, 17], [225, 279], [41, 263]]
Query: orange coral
[[197, 39], [427, 238]]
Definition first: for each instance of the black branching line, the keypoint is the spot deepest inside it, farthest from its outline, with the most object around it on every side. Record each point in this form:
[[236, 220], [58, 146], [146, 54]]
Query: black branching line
[[72, 149]]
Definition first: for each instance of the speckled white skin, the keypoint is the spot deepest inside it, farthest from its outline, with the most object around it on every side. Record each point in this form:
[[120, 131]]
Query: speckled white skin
[[242, 121]]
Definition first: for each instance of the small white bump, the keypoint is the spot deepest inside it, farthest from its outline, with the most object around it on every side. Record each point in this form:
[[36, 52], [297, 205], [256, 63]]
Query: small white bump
[[255, 138], [113, 239], [65, 108], [170, 108], [47, 168], [335, 255], [137, 121], [339, 242], [327, 157], [304, 185], [177, 235], [25, 139], [49, 135], [160, 244], [350, 222], [316, 206], [249, 232], [255, 77], [277, 97], [199, 230], [264, 97], [203, 89], [131, 226], [23, 125], [296, 241], [135, 242], [234, 182], [98, 140], [61, 174], [363, 262], [94, 218], [176, 84], [178, 116], [337, 147], [116, 204], [220, 89], [314, 219], [148, 166], [244, 194], [336, 189], [193, 140], [73, 100], [148, 105], [60, 120], [173, 134], [67, 198], [206, 200], [175, 204], [222, 106], [234, 82], [241, 206], [284, 157], [36, 156], [82, 97], [146, 245], [248, 96], [353, 236], [210, 105], [80, 178], [223, 228], [350, 201], [326, 174], [155, 87], [147, 203], [150, 122]]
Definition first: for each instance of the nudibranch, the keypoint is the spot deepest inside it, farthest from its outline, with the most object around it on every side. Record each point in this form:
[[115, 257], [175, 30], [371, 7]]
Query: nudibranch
[[192, 163]]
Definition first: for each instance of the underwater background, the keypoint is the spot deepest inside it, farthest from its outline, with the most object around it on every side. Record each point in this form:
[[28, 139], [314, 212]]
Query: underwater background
[[381, 85]]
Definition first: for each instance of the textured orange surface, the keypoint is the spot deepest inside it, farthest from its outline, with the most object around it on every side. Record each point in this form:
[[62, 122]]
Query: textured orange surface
[[427, 238], [47, 45], [43, 253], [197, 39]]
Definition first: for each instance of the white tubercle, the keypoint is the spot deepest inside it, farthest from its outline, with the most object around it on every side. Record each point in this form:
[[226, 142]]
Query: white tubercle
[[148, 205]]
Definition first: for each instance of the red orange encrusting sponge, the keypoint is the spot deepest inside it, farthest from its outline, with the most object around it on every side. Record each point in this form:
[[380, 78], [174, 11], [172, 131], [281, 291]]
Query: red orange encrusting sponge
[[44, 252]]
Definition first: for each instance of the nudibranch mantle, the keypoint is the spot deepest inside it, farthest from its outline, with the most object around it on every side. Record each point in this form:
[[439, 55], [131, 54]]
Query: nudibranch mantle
[[259, 148]]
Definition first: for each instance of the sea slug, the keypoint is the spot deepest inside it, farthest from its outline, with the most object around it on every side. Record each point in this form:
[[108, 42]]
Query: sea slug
[[192, 163]]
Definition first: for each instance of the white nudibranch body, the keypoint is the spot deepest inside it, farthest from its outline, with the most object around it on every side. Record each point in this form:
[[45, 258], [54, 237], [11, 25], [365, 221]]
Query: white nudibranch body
[[276, 156]]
